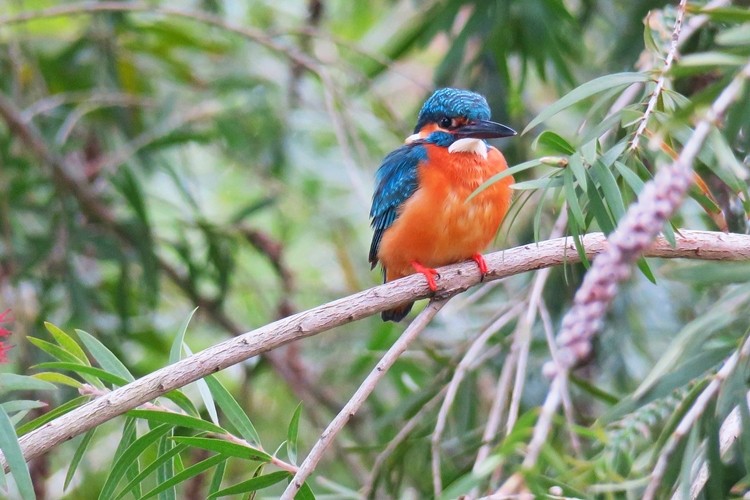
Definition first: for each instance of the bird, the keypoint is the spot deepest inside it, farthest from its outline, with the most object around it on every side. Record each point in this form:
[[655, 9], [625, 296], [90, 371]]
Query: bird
[[421, 214]]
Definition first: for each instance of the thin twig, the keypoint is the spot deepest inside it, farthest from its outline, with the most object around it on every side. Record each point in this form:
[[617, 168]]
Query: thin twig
[[360, 396], [702, 245], [662, 77], [406, 429], [730, 431], [542, 427], [630, 93], [567, 403], [522, 335], [690, 419], [466, 363]]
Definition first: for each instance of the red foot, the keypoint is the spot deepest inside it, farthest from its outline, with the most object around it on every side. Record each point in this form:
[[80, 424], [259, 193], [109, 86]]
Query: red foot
[[477, 257], [428, 273]]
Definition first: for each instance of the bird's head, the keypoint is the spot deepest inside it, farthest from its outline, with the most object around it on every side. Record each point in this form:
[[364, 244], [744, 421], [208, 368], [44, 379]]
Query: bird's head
[[453, 114]]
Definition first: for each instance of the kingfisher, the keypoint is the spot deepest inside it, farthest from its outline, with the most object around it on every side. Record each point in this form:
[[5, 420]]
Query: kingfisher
[[421, 213]]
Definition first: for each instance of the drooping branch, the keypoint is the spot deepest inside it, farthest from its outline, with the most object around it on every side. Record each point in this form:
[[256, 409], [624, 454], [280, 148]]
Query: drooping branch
[[703, 245], [656, 94], [360, 396]]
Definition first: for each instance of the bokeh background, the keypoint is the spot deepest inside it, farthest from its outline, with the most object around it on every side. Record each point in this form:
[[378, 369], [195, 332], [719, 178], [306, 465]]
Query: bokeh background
[[221, 154]]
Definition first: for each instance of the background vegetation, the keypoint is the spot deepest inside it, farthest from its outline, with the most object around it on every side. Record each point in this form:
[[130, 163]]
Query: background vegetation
[[159, 156]]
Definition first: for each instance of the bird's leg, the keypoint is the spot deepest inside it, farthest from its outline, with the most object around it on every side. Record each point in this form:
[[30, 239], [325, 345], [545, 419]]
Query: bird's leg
[[477, 257], [428, 272]]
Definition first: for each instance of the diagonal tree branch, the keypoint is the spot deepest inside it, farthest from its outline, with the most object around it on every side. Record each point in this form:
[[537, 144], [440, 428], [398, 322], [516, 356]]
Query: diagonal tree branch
[[94, 208], [703, 245]]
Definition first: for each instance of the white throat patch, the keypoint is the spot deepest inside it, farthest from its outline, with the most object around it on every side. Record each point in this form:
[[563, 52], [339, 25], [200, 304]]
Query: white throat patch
[[469, 145]]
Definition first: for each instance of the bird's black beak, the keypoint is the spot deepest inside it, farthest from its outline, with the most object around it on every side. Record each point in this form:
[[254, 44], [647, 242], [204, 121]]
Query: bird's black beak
[[484, 129]]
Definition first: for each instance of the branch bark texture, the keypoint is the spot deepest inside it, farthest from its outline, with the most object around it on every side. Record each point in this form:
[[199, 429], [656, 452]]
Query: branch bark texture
[[703, 245]]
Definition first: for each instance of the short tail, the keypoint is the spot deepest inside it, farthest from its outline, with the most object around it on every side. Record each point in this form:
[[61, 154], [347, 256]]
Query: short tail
[[396, 314]]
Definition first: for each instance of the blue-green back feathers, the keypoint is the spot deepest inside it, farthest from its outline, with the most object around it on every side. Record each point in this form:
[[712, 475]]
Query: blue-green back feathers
[[396, 181]]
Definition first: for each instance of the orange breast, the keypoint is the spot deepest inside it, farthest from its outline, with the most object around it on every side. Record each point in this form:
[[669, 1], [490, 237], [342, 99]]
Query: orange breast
[[437, 226]]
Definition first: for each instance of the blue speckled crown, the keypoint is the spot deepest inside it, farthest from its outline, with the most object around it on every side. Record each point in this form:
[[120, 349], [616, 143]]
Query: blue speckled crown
[[453, 103]]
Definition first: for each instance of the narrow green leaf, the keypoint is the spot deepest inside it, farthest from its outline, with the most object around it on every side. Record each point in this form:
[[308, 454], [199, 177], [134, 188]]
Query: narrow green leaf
[[554, 143], [502, 175], [54, 350], [176, 419], [104, 356], [631, 178], [186, 474], [596, 206], [208, 400], [225, 447], [165, 473], [14, 457], [726, 167], [305, 493], [205, 392], [542, 182], [461, 486], [58, 378], [67, 342], [150, 468], [648, 40], [710, 59], [217, 479], [710, 273], [83, 369], [575, 164], [52, 414], [646, 270], [232, 410], [14, 382], [585, 91], [128, 437], [738, 35], [254, 484], [292, 433], [578, 242], [668, 232], [589, 151], [538, 214], [21, 405], [78, 456], [128, 457], [175, 353], [695, 333], [609, 186], [594, 390], [181, 400], [571, 198]]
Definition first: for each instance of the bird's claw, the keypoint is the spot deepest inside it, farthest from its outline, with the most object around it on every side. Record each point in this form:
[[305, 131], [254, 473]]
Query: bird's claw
[[483, 270], [429, 273]]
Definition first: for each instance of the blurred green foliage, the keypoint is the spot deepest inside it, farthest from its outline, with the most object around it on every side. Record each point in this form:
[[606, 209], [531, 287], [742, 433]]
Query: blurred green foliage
[[220, 154]]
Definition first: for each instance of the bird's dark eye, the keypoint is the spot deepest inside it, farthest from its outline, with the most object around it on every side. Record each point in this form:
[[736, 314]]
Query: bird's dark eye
[[445, 122]]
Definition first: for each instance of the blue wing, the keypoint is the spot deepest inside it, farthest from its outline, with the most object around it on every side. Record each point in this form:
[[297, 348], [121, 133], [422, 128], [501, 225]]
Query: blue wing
[[396, 181]]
